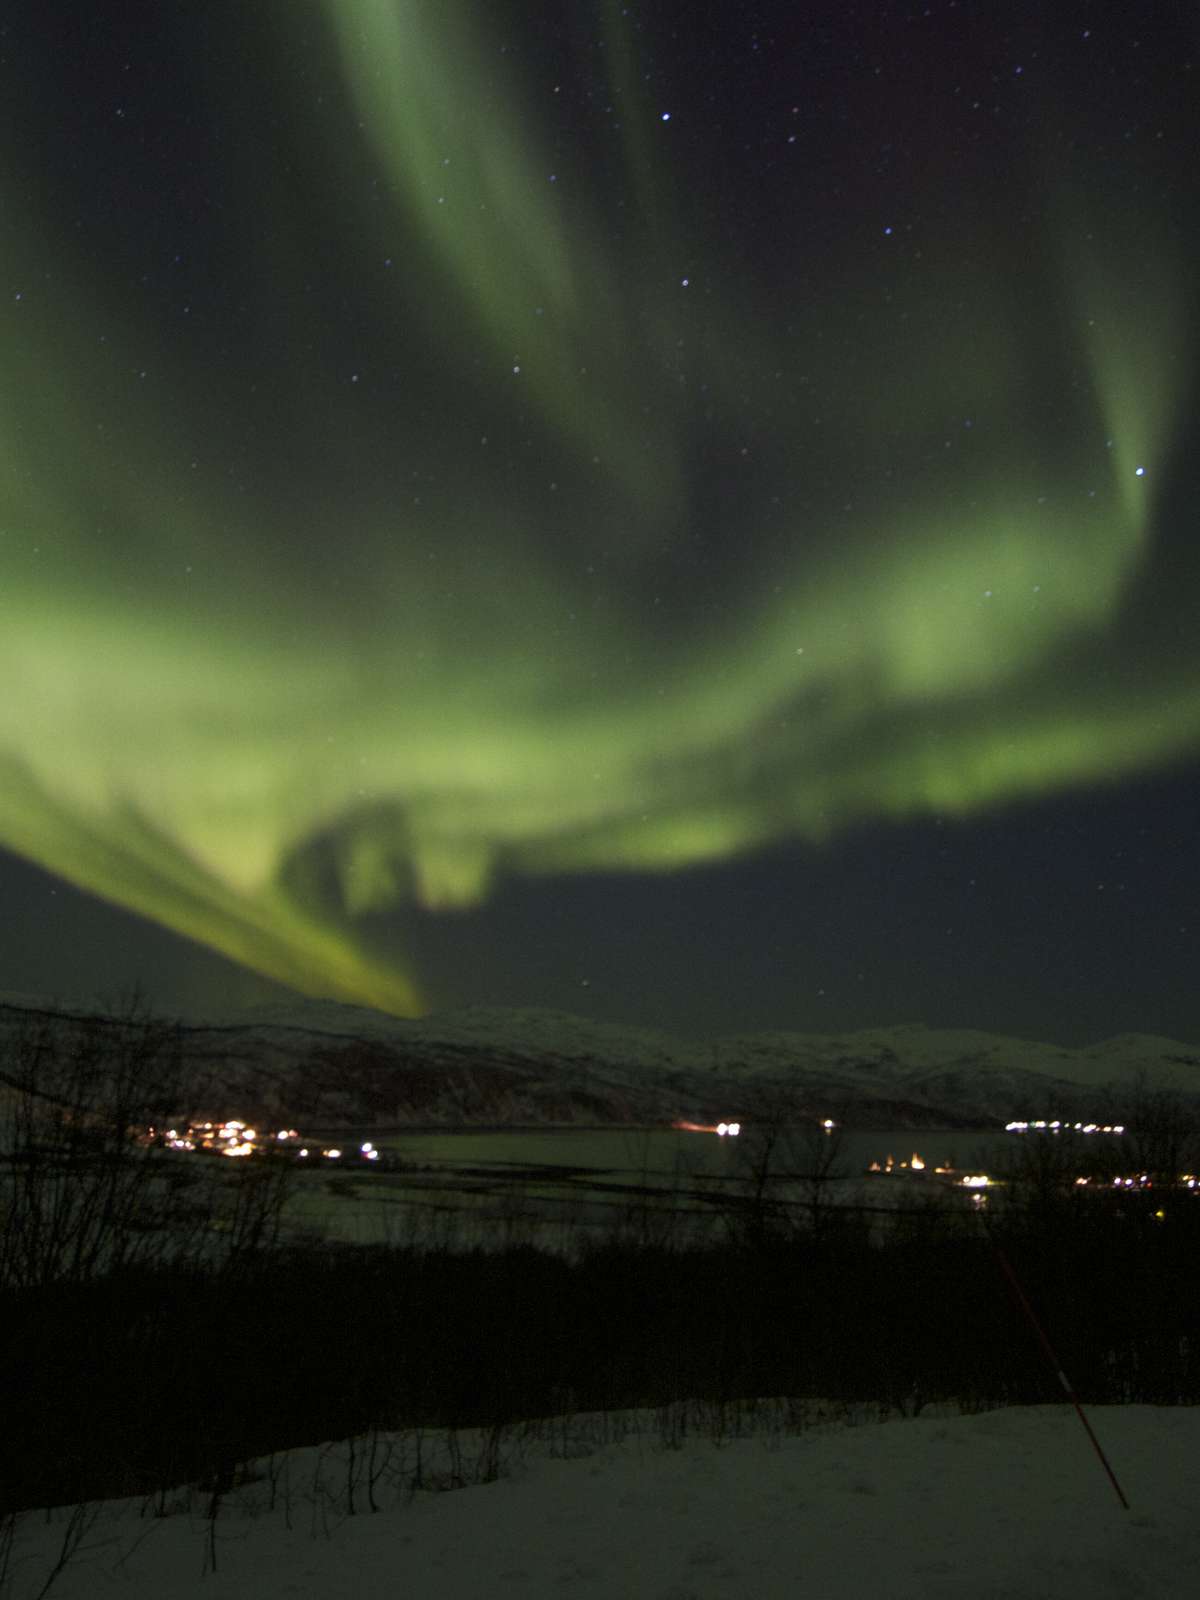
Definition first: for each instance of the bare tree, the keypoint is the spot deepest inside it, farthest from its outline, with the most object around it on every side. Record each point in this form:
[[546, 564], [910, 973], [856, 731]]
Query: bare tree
[[85, 1184], [789, 1158], [1162, 1131]]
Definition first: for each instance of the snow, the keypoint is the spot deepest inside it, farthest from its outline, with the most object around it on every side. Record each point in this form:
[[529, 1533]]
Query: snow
[[1006, 1503], [639, 1075], [900, 1058], [903, 1049]]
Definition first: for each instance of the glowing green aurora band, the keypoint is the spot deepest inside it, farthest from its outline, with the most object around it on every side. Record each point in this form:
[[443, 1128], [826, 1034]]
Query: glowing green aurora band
[[391, 654]]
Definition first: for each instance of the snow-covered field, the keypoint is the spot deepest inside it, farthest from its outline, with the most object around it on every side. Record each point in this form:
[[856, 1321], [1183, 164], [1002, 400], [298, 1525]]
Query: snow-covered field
[[1010, 1503]]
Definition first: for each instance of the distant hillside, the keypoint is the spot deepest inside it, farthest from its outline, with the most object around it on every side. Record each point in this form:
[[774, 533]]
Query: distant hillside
[[320, 1064]]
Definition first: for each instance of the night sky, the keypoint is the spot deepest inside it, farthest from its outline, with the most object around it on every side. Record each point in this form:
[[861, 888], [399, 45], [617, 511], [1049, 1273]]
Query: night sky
[[682, 513]]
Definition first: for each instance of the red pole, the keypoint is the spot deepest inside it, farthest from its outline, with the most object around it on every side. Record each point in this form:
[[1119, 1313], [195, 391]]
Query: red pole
[[1054, 1362]]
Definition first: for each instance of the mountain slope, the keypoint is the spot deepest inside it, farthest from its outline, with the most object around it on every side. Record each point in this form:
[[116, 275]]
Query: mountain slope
[[323, 1064]]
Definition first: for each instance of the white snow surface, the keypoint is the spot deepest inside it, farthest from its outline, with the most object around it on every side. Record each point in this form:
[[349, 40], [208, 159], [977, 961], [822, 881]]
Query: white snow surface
[[1010, 1503]]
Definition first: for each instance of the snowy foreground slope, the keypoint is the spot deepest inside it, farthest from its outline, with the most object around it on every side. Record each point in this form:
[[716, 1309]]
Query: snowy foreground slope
[[1010, 1503]]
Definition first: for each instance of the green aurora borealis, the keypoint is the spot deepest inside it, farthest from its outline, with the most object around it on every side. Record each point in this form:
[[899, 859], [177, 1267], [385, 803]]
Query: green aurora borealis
[[385, 516]]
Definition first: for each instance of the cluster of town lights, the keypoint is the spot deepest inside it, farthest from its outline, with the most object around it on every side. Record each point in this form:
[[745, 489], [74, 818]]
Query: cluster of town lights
[[1142, 1181], [1058, 1126], [234, 1138], [917, 1165], [366, 1150]]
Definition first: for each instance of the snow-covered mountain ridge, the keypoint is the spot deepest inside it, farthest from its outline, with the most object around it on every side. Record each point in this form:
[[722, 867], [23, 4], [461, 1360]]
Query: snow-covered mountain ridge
[[326, 1064]]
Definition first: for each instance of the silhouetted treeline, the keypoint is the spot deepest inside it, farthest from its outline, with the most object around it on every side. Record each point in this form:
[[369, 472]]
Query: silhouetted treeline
[[159, 1374]]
